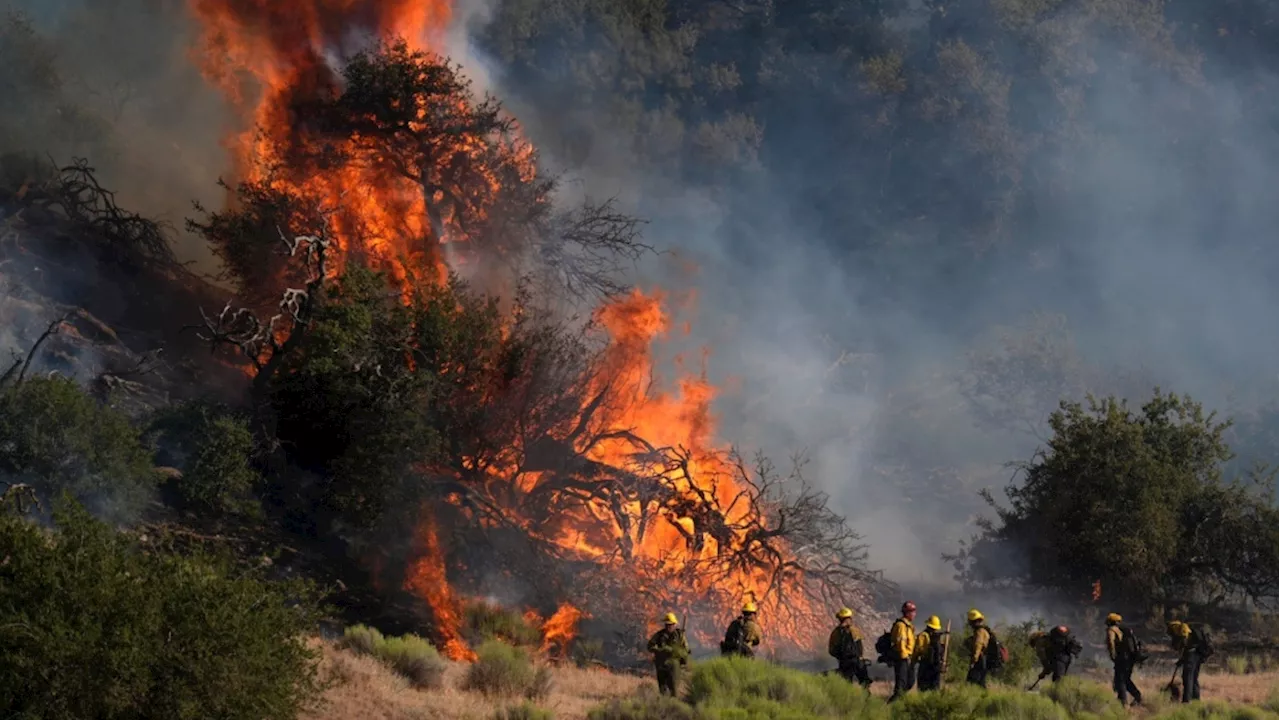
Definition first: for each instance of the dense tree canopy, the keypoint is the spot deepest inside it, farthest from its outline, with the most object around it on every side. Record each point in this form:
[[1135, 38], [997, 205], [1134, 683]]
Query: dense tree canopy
[[1135, 500]]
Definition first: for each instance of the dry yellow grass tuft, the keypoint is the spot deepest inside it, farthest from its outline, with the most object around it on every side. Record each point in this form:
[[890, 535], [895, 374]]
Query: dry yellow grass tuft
[[367, 689]]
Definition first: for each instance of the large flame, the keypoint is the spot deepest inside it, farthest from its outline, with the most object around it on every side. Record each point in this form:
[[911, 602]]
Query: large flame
[[265, 53]]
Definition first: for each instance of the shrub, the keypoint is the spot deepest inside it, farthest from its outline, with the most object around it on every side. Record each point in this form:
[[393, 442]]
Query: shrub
[[1238, 664], [1081, 697], [501, 669], [409, 655], [57, 438], [523, 711], [95, 625], [966, 701], [647, 707], [485, 621], [414, 658], [587, 651], [213, 449], [768, 690]]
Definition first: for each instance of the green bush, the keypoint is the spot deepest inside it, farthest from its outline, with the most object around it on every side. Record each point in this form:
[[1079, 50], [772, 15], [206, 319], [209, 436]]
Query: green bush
[[764, 690], [409, 655], [587, 651], [57, 438], [649, 706], [414, 658], [501, 669], [213, 449], [484, 621], [95, 625], [362, 639], [1084, 698], [966, 701], [523, 711]]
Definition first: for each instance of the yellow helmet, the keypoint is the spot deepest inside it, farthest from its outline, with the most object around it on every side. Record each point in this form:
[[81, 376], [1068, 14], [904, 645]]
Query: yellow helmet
[[1114, 618], [844, 613], [974, 615], [669, 619], [749, 607], [934, 623]]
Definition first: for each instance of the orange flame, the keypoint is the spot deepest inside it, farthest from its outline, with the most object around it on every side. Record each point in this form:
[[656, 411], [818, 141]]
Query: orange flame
[[263, 53], [1097, 590], [426, 578], [559, 630]]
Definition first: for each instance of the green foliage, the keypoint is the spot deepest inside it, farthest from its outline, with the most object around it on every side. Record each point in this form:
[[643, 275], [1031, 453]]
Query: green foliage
[[1082, 698], [485, 621], [57, 438], [1134, 500], [765, 690], [749, 690], [504, 670], [409, 655], [649, 706], [523, 711], [967, 701], [213, 449], [1214, 711], [92, 624]]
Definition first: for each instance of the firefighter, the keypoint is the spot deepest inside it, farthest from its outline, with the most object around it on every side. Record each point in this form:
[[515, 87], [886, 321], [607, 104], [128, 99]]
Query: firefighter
[[1124, 652], [1193, 647], [902, 646], [743, 635], [1055, 650], [976, 646], [670, 653], [845, 645], [929, 654]]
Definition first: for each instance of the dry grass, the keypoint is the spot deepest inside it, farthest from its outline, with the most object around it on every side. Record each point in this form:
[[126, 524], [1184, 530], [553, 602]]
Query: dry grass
[[367, 689]]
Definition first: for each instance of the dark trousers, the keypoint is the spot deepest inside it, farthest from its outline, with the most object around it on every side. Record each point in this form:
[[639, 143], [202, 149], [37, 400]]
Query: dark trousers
[[668, 674], [1122, 683], [1191, 677], [978, 673], [854, 671], [902, 679], [1060, 667], [928, 677]]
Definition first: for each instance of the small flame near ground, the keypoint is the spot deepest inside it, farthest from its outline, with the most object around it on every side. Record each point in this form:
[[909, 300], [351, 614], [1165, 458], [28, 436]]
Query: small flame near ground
[[1097, 590]]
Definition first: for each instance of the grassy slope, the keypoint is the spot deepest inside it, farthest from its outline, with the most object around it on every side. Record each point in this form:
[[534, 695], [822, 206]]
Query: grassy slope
[[368, 690], [364, 688]]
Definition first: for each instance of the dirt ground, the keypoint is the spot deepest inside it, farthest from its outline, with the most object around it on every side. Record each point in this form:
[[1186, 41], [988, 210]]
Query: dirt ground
[[367, 689]]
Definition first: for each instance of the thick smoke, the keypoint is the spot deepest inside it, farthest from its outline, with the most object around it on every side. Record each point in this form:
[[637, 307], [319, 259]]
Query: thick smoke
[[1163, 268]]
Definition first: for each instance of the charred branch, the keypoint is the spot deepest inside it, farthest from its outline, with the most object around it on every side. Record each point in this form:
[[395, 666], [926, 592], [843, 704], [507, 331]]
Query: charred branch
[[74, 192]]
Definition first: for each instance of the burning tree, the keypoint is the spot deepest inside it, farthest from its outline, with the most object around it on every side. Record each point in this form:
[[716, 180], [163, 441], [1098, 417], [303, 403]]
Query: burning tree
[[459, 439]]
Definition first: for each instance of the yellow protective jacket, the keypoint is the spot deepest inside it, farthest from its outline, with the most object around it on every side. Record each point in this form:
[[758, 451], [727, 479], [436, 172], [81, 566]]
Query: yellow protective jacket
[[669, 647], [1114, 636], [976, 643], [1180, 637], [924, 646], [845, 643], [902, 639]]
